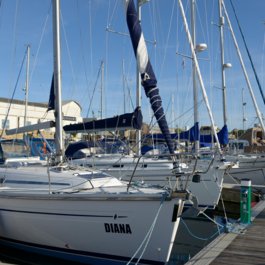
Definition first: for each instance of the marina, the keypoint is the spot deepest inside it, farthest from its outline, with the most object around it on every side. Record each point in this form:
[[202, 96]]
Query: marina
[[93, 175]]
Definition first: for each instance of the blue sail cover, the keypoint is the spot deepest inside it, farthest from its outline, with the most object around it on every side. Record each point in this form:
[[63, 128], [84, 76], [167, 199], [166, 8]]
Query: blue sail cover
[[190, 135], [148, 78], [125, 121], [222, 136]]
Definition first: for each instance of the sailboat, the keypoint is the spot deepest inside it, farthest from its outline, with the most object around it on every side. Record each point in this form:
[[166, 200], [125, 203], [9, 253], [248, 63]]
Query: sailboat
[[204, 178], [84, 216]]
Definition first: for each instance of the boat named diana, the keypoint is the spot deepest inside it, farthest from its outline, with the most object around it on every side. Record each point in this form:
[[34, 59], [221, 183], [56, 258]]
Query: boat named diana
[[118, 228]]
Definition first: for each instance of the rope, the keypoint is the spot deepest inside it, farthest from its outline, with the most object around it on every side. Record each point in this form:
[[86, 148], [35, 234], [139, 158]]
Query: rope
[[148, 235], [208, 217], [222, 200], [197, 237]]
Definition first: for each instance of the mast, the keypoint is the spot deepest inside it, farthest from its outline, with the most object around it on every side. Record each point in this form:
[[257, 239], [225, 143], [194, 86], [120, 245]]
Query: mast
[[195, 91], [102, 90], [138, 86], [57, 82], [243, 109], [172, 112], [244, 71], [27, 86], [199, 75], [223, 65]]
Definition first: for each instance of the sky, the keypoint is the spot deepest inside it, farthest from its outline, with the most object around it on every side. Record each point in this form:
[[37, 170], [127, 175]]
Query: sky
[[94, 33]]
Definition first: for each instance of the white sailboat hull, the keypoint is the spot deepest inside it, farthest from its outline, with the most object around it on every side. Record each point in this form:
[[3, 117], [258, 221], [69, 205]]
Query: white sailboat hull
[[99, 225]]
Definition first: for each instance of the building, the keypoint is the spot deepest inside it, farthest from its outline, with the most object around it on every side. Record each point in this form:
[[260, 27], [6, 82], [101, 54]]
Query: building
[[256, 140], [36, 112]]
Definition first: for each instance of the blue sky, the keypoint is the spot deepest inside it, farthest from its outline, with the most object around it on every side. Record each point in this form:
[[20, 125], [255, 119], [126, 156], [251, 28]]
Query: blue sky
[[86, 42]]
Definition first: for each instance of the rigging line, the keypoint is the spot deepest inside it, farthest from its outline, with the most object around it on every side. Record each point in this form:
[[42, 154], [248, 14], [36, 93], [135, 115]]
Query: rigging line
[[153, 26], [188, 110], [109, 22], [198, 14], [207, 24], [112, 15], [92, 96], [213, 50], [129, 92], [152, 11], [82, 43], [38, 50], [106, 66], [152, 125], [108, 13], [13, 94], [249, 56], [167, 39], [262, 58], [13, 45], [90, 35], [70, 60], [44, 115]]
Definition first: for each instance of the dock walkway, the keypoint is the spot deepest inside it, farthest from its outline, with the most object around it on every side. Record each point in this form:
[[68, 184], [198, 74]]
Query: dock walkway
[[246, 246]]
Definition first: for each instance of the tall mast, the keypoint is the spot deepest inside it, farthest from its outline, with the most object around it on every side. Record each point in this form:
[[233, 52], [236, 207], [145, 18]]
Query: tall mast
[[244, 119], [27, 87], [173, 112], [102, 90], [195, 91], [221, 25], [57, 81], [138, 87]]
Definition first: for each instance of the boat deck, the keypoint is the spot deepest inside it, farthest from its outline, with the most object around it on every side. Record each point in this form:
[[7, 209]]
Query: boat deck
[[244, 245]]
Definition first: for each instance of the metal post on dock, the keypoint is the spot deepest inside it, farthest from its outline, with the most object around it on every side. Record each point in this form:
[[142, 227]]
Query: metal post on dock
[[245, 201]]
